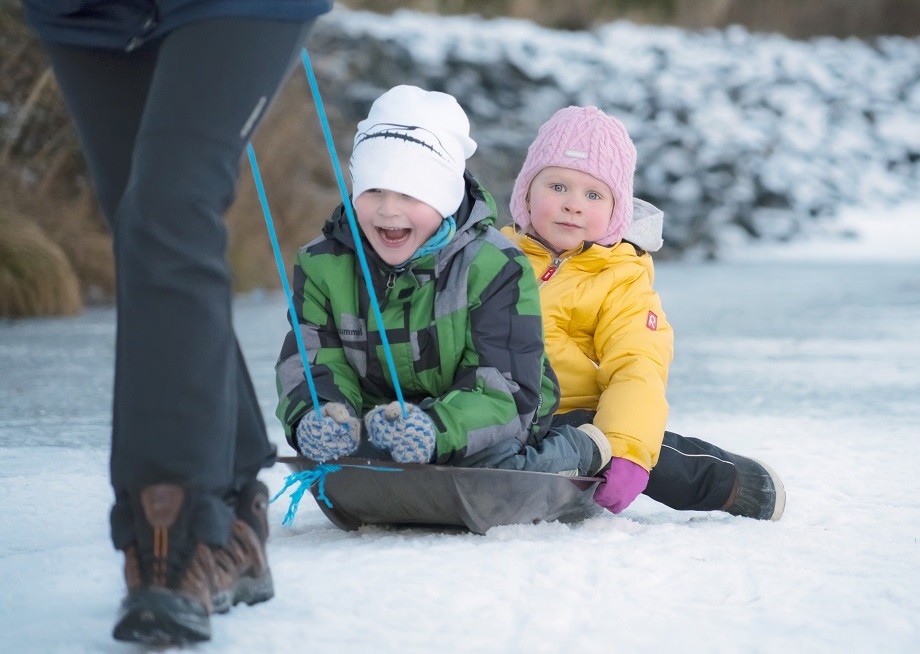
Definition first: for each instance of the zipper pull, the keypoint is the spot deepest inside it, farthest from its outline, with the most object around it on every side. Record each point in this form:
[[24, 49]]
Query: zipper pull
[[549, 272], [391, 280]]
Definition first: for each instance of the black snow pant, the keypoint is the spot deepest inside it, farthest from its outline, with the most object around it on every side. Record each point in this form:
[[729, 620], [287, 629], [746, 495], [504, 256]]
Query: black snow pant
[[163, 130], [691, 474]]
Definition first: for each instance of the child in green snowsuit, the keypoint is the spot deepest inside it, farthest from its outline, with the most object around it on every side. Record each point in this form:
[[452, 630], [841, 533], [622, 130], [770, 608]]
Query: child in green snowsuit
[[458, 301]]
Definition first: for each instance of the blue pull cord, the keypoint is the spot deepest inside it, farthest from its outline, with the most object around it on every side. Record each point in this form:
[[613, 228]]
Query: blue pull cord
[[330, 145], [295, 323], [306, 479], [309, 478]]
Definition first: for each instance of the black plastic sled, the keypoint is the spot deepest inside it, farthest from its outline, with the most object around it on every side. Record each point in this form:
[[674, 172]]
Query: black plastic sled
[[368, 492]]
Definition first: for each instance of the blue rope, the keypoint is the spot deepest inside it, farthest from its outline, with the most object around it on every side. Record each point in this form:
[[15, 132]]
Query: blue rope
[[316, 477], [306, 479], [295, 323], [356, 234]]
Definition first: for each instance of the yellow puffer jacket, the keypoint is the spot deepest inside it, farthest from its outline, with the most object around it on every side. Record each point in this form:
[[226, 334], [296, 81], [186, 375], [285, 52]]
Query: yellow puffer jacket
[[607, 339]]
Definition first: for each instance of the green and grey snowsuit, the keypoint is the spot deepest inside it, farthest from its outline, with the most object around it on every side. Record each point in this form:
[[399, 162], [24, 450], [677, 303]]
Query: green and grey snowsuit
[[463, 325]]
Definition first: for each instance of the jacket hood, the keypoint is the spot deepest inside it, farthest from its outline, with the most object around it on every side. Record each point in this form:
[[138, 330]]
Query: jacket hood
[[647, 226]]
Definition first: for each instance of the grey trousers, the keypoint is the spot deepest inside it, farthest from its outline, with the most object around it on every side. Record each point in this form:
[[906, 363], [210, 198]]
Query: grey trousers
[[163, 130], [563, 449]]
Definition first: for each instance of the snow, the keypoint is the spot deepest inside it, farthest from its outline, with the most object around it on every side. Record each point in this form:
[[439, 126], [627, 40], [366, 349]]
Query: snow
[[740, 135], [810, 363], [804, 355], [860, 235]]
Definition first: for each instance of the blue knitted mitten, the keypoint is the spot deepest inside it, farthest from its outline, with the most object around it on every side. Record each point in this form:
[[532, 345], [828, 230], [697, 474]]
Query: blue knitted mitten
[[409, 440], [336, 434]]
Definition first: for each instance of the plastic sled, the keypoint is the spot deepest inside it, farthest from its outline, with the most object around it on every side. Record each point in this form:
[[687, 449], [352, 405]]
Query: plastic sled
[[370, 492]]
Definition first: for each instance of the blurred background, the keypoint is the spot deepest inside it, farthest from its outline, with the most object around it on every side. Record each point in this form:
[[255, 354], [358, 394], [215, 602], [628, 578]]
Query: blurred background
[[754, 121], [796, 19]]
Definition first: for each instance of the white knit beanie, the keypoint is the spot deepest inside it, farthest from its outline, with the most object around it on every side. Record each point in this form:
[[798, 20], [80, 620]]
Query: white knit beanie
[[414, 142]]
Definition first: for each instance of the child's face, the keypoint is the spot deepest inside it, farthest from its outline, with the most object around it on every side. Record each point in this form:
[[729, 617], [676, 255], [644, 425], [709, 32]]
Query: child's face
[[396, 225], [568, 207]]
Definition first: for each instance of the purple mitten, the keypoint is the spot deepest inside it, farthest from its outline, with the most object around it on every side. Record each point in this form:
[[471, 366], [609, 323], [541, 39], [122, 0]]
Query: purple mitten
[[623, 481]]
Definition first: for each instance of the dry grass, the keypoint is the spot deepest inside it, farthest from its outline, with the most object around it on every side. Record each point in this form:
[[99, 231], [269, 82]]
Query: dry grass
[[299, 184], [43, 176], [36, 278]]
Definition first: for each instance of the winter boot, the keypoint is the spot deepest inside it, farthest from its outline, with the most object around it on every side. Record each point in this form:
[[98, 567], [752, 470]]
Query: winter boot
[[169, 577], [241, 567], [758, 491], [600, 449]]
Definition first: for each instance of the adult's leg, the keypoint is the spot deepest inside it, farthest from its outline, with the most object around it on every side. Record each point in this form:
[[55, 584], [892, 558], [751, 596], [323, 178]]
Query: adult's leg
[[163, 130], [105, 92], [180, 373]]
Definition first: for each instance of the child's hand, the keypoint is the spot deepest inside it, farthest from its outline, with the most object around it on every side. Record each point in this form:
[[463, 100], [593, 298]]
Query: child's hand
[[409, 439], [336, 434], [623, 481]]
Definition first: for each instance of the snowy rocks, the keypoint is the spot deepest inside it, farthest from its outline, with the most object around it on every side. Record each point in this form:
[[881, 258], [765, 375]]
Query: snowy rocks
[[739, 135]]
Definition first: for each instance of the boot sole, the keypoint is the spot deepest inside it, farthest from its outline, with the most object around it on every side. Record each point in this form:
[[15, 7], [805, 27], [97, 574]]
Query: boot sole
[[248, 590], [161, 618], [750, 502], [780, 490]]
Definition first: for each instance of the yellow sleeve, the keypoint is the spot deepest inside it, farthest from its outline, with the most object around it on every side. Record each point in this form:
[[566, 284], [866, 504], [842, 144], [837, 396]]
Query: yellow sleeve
[[635, 346]]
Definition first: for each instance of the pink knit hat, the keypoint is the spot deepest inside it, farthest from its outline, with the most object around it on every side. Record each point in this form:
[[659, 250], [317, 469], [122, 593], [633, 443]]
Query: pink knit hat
[[585, 139]]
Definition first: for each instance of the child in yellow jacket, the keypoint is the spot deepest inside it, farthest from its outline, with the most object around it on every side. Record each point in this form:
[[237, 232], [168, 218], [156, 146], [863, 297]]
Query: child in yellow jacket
[[606, 333]]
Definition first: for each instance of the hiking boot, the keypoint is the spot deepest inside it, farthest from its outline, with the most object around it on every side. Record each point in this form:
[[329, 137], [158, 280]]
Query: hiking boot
[[169, 577], [758, 491], [241, 567]]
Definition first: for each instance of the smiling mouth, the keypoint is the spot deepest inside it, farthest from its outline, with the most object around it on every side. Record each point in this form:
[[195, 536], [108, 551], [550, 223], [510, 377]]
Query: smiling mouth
[[394, 235]]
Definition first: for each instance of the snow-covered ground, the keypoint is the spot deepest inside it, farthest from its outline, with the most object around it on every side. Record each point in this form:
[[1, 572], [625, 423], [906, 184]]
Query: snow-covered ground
[[805, 355], [811, 363]]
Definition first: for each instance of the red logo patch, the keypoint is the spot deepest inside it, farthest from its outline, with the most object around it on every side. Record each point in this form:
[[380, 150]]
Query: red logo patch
[[652, 321]]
